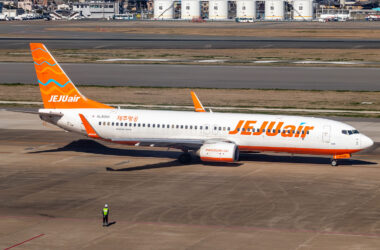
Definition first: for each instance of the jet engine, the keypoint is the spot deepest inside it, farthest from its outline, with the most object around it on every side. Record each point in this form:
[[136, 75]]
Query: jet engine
[[219, 152]]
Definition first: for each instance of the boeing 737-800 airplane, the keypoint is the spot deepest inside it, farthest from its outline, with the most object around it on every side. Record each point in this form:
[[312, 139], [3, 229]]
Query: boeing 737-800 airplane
[[214, 137]]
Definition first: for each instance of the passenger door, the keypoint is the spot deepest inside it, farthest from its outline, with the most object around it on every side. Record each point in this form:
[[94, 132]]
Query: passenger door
[[326, 134]]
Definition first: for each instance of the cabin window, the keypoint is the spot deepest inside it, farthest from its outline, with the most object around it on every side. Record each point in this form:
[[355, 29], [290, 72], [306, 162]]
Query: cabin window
[[126, 124], [206, 127], [143, 125], [200, 127], [113, 124], [121, 124], [191, 126], [181, 126], [117, 124], [307, 132], [100, 123], [138, 124], [228, 128], [158, 125], [185, 126], [215, 128], [279, 131], [195, 127], [134, 124], [148, 125]]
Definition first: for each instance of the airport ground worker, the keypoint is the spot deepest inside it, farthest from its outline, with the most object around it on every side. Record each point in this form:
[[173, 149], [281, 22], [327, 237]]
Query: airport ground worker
[[105, 212]]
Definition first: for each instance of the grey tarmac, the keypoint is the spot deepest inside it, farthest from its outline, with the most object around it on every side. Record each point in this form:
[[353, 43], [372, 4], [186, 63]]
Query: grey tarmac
[[254, 77], [15, 35], [54, 184], [155, 42]]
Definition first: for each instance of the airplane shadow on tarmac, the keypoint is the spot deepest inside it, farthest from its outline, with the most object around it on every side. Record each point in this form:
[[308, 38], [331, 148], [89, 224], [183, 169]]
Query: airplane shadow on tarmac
[[94, 147], [323, 160]]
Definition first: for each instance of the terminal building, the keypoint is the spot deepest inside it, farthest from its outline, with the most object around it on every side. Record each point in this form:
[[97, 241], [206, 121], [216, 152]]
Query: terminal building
[[97, 9], [274, 10]]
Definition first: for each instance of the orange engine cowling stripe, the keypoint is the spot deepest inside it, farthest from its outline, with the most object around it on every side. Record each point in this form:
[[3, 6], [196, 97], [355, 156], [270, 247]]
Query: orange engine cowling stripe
[[217, 159]]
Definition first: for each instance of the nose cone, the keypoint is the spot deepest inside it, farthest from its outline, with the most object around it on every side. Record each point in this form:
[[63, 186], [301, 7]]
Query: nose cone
[[366, 142]]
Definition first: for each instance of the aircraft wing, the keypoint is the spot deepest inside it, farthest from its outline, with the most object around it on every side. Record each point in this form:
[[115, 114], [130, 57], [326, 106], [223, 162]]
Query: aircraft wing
[[162, 142]]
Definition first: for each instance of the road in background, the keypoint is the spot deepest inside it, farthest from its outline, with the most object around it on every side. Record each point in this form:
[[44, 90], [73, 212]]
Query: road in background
[[260, 77], [132, 41]]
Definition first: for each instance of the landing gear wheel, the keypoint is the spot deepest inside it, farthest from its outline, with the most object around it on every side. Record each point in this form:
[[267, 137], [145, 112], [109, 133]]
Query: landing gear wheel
[[185, 158], [334, 162]]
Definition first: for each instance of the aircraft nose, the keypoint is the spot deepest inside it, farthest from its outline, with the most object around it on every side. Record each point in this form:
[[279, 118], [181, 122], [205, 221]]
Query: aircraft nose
[[366, 142]]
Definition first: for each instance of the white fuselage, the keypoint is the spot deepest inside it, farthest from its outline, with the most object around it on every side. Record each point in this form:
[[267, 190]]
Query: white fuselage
[[250, 132]]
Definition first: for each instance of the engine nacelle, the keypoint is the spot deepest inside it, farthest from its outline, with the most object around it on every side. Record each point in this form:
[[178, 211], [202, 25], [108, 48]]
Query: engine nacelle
[[219, 152]]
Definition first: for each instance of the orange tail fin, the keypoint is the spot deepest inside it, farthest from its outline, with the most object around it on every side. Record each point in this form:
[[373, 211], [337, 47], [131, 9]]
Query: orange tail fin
[[57, 90]]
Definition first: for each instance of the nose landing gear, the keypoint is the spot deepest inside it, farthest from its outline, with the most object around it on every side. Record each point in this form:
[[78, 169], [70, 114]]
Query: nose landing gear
[[334, 162]]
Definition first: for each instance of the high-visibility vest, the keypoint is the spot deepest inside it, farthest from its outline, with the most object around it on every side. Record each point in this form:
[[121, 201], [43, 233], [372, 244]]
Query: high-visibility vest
[[105, 211]]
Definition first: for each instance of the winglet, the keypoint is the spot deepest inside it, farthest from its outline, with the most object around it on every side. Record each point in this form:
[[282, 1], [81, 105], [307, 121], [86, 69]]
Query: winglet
[[197, 104], [89, 129]]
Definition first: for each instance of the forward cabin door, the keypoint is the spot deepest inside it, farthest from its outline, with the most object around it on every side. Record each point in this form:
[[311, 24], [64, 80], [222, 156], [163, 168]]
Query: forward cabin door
[[326, 134]]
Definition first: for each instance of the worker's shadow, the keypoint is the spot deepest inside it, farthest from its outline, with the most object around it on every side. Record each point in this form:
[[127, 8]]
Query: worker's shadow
[[111, 223]]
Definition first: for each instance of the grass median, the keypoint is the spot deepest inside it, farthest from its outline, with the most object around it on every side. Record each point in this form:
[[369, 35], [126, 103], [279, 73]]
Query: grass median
[[226, 100]]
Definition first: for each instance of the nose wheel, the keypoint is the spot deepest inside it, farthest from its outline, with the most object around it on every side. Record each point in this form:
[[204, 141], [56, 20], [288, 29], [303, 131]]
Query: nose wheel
[[334, 162]]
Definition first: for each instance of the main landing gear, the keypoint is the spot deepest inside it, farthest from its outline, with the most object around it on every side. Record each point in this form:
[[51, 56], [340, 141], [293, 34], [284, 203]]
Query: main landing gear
[[185, 157], [334, 162]]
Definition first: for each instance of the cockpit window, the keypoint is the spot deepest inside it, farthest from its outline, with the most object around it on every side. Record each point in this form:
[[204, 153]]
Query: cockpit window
[[350, 132]]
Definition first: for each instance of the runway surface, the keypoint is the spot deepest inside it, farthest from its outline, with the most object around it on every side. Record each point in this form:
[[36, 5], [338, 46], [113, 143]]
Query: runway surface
[[54, 185], [18, 35], [191, 42], [261, 77]]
